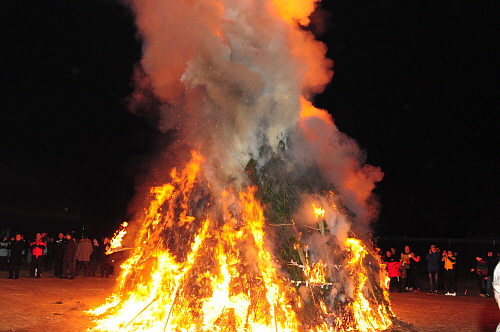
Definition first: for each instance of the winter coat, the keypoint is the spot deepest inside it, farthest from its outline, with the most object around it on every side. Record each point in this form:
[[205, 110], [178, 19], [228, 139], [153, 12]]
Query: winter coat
[[37, 248], [492, 263], [482, 268], [69, 251], [393, 269], [433, 261], [16, 252], [59, 249], [4, 251], [97, 253], [84, 250]]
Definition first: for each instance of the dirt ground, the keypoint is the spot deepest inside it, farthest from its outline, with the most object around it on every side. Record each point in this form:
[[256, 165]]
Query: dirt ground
[[48, 304]]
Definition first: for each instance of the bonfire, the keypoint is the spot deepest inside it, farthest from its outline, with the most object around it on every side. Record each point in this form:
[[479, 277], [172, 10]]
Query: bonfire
[[256, 215]]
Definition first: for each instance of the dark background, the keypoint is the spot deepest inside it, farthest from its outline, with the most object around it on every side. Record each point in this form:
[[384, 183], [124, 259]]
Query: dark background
[[416, 84]]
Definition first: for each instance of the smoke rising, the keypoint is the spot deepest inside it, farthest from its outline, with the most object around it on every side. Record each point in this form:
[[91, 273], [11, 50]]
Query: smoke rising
[[232, 77], [229, 74]]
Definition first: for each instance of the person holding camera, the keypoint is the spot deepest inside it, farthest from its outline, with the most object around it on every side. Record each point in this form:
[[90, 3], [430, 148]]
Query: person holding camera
[[433, 259], [37, 247], [449, 272]]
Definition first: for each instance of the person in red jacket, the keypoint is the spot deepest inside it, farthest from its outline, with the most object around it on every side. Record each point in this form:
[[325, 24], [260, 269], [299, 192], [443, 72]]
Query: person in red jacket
[[393, 270], [37, 248]]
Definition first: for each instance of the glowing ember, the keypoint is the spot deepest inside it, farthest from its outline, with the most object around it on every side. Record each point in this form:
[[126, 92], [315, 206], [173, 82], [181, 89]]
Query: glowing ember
[[228, 241]]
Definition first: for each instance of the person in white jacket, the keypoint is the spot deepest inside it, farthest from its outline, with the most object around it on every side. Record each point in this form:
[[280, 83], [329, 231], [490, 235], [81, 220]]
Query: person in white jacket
[[496, 288]]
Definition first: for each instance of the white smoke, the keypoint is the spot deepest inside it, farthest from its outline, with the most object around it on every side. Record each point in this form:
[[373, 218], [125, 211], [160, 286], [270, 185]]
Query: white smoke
[[230, 74]]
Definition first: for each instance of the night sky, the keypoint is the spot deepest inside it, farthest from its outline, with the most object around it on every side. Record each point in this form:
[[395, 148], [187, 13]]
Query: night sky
[[416, 84]]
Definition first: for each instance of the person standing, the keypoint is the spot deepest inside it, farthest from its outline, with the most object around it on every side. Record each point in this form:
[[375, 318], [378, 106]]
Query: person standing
[[83, 252], [59, 255], [492, 261], [496, 288], [16, 256], [414, 272], [482, 274], [4, 254], [37, 247], [69, 258], [106, 268], [393, 271], [433, 261], [49, 256], [405, 268], [96, 257], [449, 272]]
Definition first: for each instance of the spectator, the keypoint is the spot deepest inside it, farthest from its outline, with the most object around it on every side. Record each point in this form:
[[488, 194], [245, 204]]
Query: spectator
[[405, 267], [492, 261], [49, 257], [414, 272], [433, 261], [4, 253], [16, 256], [69, 258], [83, 252], [96, 258], [482, 274], [59, 255], [106, 267], [393, 271], [37, 247], [449, 272], [496, 288]]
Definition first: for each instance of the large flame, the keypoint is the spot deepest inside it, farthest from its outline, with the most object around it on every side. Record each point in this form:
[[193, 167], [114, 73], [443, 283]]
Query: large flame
[[229, 241], [207, 274]]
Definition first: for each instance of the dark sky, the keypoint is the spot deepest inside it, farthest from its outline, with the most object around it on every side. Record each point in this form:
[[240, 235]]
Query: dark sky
[[416, 84]]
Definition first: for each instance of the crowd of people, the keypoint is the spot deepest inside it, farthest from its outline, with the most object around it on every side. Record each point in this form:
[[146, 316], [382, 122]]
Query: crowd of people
[[404, 270], [65, 256]]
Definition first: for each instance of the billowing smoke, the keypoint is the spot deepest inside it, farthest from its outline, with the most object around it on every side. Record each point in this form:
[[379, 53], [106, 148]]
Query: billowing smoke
[[230, 76]]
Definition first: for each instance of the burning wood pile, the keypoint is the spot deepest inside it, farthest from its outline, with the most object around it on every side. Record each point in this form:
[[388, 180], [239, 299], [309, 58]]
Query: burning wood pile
[[206, 262]]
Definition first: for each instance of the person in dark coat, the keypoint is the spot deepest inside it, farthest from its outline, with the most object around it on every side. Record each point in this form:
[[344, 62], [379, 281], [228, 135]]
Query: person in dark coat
[[69, 258], [482, 274], [17, 248], [97, 257], [492, 261], [433, 258], [59, 255]]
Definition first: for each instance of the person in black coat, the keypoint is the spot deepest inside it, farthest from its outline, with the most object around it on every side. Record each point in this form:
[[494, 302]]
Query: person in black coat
[[59, 255], [17, 248], [69, 258], [97, 257]]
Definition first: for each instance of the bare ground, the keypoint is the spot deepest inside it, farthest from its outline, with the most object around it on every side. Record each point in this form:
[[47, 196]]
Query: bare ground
[[49, 304]]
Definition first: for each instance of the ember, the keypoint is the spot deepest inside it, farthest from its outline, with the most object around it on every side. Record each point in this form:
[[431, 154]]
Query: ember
[[229, 242]]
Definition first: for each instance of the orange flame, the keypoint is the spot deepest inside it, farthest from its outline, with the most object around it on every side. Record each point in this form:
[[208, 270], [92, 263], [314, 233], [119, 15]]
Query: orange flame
[[215, 271], [318, 212], [214, 285], [115, 244], [368, 316]]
